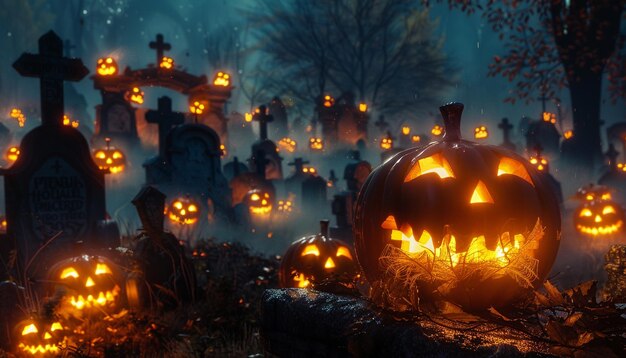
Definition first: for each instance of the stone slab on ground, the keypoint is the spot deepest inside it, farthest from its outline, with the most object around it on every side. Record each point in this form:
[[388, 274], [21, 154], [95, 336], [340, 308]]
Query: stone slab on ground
[[306, 323]]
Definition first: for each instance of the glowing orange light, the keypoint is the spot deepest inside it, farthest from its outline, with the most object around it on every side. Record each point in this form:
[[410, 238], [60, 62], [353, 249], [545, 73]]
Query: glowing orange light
[[222, 79], [568, 134], [135, 95], [106, 66], [363, 107], [549, 117], [481, 132], [13, 153], [437, 130], [196, 108], [167, 63], [406, 130], [329, 101]]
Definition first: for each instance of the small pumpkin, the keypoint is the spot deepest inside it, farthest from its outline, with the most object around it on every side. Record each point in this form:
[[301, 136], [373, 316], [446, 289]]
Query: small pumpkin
[[110, 158], [183, 210], [481, 132], [167, 63], [106, 66], [598, 214], [91, 284], [468, 208], [259, 202], [12, 154], [316, 143], [221, 79], [386, 142], [315, 258], [39, 337]]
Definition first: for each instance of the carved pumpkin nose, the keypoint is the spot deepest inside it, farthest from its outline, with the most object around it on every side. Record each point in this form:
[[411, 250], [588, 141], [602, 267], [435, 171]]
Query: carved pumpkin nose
[[329, 263], [598, 219], [47, 336], [109, 161], [481, 194], [264, 202], [89, 282]]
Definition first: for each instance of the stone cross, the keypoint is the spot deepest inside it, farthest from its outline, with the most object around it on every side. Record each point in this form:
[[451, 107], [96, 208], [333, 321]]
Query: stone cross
[[506, 130], [166, 119], [52, 69], [298, 163], [612, 154], [160, 46], [543, 100], [260, 163], [381, 123], [263, 118]]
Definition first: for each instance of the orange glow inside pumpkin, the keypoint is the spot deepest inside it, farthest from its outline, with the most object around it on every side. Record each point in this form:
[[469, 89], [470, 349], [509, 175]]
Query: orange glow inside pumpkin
[[12, 154], [288, 144]]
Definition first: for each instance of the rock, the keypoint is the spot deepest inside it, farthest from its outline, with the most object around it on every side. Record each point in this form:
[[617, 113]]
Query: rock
[[303, 323]]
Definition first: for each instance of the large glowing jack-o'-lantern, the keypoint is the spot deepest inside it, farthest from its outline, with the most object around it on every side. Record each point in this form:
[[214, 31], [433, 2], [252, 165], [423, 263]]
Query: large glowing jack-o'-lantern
[[110, 158], [106, 66], [598, 215], [477, 222], [183, 211], [91, 284], [315, 258], [259, 202], [39, 338]]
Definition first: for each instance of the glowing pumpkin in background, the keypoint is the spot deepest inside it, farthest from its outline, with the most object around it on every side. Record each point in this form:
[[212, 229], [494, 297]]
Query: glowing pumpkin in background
[[12, 154], [90, 284], [316, 144], [3, 224], [315, 258], [110, 158], [259, 202], [477, 223], [329, 101], [481, 132], [106, 66], [135, 95], [221, 79], [598, 215], [386, 142], [437, 130], [288, 144], [167, 63], [183, 211], [36, 337]]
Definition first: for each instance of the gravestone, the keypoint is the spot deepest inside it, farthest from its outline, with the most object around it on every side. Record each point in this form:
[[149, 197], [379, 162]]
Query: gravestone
[[293, 184], [616, 134], [506, 128], [54, 190], [188, 161], [272, 161], [343, 124], [614, 176], [545, 134], [314, 194], [234, 168], [280, 127]]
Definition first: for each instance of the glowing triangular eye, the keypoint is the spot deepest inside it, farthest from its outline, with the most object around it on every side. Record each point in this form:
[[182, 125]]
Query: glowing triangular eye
[[481, 194], [56, 326], [436, 164]]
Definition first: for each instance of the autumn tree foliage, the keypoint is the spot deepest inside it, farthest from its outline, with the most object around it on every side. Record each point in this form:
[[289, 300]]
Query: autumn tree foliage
[[553, 44]]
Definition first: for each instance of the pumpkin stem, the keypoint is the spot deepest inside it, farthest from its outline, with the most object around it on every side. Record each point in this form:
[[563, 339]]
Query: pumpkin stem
[[451, 113], [324, 228]]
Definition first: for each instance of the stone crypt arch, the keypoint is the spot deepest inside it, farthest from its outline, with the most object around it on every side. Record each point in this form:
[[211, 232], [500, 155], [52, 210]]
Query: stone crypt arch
[[116, 117]]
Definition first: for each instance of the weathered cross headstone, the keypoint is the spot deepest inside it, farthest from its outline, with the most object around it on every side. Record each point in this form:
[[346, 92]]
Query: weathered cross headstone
[[160, 46], [234, 168], [150, 204], [54, 191], [298, 164], [165, 118], [506, 134], [272, 161], [263, 118]]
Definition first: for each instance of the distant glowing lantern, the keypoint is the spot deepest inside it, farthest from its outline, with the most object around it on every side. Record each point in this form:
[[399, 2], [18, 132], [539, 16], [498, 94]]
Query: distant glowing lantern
[[135, 95], [329, 101], [437, 130], [316, 143], [106, 66], [110, 158], [621, 166], [549, 117], [386, 143], [222, 79], [363, 107], [223, 150], [416, 139], [406, 130], [19, 116], [196, 108], [248, 117], [13, 153], [3, 224], [259, 202], [568, 134], [481, 132], [284, 206], [167, 63], [183, 211], [540, 163], [67, 121], [288, 144], [309, 170]]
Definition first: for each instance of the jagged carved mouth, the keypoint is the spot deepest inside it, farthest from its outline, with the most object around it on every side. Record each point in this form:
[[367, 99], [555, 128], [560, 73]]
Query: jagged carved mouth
[[103, 298], [260, 210], [601, 230], [508, 245], [39, 349]]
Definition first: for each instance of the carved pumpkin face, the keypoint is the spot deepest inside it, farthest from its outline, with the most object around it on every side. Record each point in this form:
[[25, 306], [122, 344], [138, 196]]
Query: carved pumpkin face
[[19, 116], [288, 144], [184, 211], [540, 163], [110, 158], [466, 206], [222, 79], [316, 143], [167, 63], [285, 206], [386, 143], [91, 284], [106, 66], [362, 107], [259, 202], [12, 154], [39, 338], [549, 117], [568, 134], [598, 215], [437, 130], [196, 107], [68, 122], [415, 139], [315, 258], [329, 101], [135, 95], [481, 132]]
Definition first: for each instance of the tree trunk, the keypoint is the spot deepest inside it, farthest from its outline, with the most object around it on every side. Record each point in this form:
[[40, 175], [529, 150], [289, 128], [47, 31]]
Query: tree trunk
[[585, 95]]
